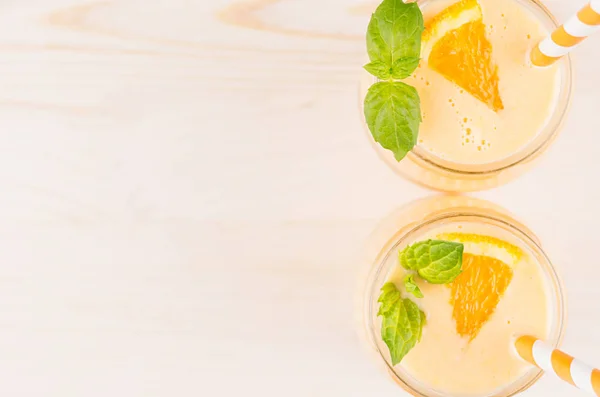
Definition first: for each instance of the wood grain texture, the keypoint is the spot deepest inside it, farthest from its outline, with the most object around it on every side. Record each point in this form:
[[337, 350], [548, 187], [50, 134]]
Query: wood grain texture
[[185, 188]]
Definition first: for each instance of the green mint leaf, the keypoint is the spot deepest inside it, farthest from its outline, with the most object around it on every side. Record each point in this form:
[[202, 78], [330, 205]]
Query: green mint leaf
[[411, 286], [394, 32], [393, 113], [402, 323], [404, 67], [388, 298], [379, 69], [437, 261]]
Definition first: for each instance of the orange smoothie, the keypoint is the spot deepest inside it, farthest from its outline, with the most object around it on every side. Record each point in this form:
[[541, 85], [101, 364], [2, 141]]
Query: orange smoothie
[[506, 288], [459, 127], [466, 347], [487, 113]]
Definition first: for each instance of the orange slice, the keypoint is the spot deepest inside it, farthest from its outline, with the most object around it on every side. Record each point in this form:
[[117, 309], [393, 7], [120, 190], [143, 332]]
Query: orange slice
[[476, 292], [455, 45]]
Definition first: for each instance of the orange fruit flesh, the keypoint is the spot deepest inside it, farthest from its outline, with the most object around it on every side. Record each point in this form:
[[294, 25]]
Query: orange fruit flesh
[[455, 45], [464, 56], [477, 291]]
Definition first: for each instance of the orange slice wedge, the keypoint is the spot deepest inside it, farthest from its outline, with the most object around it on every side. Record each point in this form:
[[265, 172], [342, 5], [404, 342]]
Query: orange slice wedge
[[455, 45], [476, 292]]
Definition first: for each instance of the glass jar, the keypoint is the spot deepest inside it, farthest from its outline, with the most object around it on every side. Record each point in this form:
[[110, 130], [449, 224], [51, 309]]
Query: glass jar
[[402, 228], [428, 169]]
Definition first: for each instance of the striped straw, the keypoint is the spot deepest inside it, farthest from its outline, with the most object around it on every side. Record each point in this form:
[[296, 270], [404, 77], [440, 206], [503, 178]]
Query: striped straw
[[567, 36], [562, 365]]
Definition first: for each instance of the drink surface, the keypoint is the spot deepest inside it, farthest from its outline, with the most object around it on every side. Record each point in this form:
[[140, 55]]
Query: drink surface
[[467, 342], [461, 128]]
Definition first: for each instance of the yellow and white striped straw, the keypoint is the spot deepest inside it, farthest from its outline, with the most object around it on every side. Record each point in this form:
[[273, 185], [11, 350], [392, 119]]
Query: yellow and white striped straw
[[567, 36], [562, 365]]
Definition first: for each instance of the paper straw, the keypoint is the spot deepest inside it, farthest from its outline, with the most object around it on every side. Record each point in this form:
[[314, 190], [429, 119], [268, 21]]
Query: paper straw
[[567, 36], [560, 364]]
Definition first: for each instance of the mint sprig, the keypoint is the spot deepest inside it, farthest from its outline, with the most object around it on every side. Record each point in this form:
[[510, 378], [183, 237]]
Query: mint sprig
[[436, 261], [392, 109], [402, 322]]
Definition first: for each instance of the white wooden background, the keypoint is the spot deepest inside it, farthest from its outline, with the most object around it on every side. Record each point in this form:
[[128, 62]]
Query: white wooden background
[[184, 188]]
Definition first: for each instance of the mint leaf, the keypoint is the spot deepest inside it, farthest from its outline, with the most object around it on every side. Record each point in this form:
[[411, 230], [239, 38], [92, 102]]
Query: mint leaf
[[401, 69], [393, 113], [404, 67], [394, 32], [437, 261], [411, 286], [388, 298], [379, 69], [402, 322]]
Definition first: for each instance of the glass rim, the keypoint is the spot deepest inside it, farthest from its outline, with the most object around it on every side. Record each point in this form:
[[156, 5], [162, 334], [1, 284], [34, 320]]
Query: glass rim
[[530, 377], [529, 151]]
